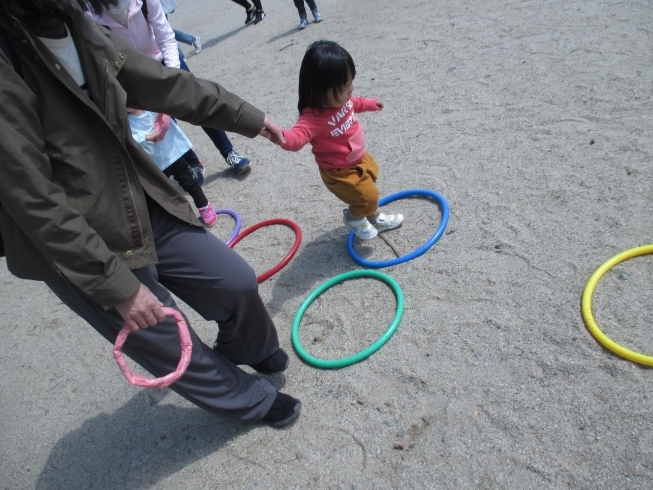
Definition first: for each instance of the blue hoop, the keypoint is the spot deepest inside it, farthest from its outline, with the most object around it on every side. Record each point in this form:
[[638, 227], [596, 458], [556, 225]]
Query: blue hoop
[[415, 253]]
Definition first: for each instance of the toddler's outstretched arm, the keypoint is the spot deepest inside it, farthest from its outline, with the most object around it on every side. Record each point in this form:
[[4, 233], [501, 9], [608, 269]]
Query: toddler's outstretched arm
[[306, 127], [363, 104]]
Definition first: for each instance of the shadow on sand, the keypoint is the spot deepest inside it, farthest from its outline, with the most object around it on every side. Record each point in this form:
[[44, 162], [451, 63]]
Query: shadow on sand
[[216, 40], [290, 32], [315, 262], [138, 445]]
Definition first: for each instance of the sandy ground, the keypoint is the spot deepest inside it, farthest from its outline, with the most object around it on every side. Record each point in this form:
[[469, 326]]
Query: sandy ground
[[533, 119]]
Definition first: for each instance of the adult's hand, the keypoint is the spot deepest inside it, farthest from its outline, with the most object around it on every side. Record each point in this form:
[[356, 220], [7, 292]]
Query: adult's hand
[[272, 131], [142, 310]]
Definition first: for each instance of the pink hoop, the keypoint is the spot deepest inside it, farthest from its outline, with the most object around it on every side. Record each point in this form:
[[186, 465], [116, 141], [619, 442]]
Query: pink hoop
[[186, 348]]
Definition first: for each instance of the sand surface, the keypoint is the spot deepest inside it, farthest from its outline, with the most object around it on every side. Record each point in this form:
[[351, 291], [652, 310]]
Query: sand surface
[[534, 120]]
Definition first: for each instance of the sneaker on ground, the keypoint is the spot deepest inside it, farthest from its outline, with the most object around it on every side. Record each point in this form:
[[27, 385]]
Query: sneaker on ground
[[260, 15], [197, 44], [361, 227], [303, 22], [208, 215], [251, 15], [198, 174], [239, 163], [386, 222], [317, 16], [274, 364], [284, 410]]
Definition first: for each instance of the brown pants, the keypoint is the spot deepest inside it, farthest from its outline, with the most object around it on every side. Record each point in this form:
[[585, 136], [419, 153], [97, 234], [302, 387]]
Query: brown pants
[[355, 185]]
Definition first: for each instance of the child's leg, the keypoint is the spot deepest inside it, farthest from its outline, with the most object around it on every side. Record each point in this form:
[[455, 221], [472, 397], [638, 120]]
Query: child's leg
[[243, 3], [355, 186], [380, 221], [183, 37], [311, 5], [300, 8], [184, 176], [316, 13]]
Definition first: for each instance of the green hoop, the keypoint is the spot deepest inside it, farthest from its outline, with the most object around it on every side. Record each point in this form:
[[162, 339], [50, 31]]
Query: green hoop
[[347, 361]]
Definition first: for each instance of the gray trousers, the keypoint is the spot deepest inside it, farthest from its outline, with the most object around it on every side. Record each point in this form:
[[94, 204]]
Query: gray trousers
[[217, 283]]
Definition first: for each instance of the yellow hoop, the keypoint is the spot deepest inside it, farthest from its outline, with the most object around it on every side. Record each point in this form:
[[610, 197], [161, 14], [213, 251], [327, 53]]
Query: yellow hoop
[[586, 306]]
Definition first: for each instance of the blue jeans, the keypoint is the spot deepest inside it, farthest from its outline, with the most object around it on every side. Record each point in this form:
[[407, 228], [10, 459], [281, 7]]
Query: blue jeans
[[219, 137], [182, 37], [302, 10]]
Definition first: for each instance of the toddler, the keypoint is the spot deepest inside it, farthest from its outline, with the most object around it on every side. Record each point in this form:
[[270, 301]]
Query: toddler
[[327, 120], [168, 150]]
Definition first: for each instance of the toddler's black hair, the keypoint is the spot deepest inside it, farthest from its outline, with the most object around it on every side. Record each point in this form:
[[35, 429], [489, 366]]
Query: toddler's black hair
[[326, 66]]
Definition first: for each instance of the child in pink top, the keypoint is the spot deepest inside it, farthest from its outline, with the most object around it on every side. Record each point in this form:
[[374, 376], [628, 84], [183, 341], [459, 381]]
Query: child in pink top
[[328, 122]]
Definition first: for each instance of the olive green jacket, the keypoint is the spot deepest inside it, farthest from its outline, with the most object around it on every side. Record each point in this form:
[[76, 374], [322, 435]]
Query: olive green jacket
[[72, 179]]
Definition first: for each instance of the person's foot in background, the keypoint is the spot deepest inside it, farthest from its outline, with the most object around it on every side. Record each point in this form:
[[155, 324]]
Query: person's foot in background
[[251, 15], [238, 162], [197, 44]]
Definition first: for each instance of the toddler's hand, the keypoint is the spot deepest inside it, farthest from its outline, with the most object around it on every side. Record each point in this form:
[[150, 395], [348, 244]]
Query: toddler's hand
[[379, 105], [272, 131], [152, 136]]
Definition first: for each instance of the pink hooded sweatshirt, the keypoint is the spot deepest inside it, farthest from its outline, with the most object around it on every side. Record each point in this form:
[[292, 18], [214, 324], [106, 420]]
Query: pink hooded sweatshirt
[[153, 36], [335, 134]]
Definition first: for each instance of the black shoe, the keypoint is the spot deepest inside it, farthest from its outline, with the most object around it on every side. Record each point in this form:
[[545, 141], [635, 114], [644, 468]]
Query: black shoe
[[260, 15], [251, 15], [284, 410], [274, 364]]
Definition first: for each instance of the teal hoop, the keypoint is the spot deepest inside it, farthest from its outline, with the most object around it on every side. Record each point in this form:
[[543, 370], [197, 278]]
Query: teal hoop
[[347, 361]]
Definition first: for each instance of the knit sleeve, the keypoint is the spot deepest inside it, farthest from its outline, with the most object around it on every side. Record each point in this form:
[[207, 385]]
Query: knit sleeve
[[363, 104], [163, 33], [306, 127]]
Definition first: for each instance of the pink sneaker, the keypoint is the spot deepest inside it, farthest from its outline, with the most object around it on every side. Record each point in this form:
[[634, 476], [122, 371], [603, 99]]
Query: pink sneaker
[[208, 215]]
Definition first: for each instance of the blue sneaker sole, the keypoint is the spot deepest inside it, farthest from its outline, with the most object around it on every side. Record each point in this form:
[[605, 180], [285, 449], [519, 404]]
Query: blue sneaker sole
[[243, 170]]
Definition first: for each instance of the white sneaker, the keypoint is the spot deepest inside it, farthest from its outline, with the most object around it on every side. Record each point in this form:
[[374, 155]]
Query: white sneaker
[[197, 44], [361, 227], [385, 222]]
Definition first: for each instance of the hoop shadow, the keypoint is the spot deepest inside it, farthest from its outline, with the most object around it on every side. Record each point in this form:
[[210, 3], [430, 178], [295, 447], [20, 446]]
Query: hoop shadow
[[321, 259], [135, 447], [315, 262]]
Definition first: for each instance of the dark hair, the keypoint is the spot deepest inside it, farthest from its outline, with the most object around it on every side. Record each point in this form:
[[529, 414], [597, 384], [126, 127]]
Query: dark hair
[[46, 8], [326, 66]]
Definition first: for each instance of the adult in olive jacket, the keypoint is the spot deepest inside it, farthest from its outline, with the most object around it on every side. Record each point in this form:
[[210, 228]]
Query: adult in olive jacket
[[84, 209]]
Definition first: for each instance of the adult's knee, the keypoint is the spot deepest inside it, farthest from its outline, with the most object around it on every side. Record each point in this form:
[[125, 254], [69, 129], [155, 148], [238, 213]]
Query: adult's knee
[[244, 283]]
